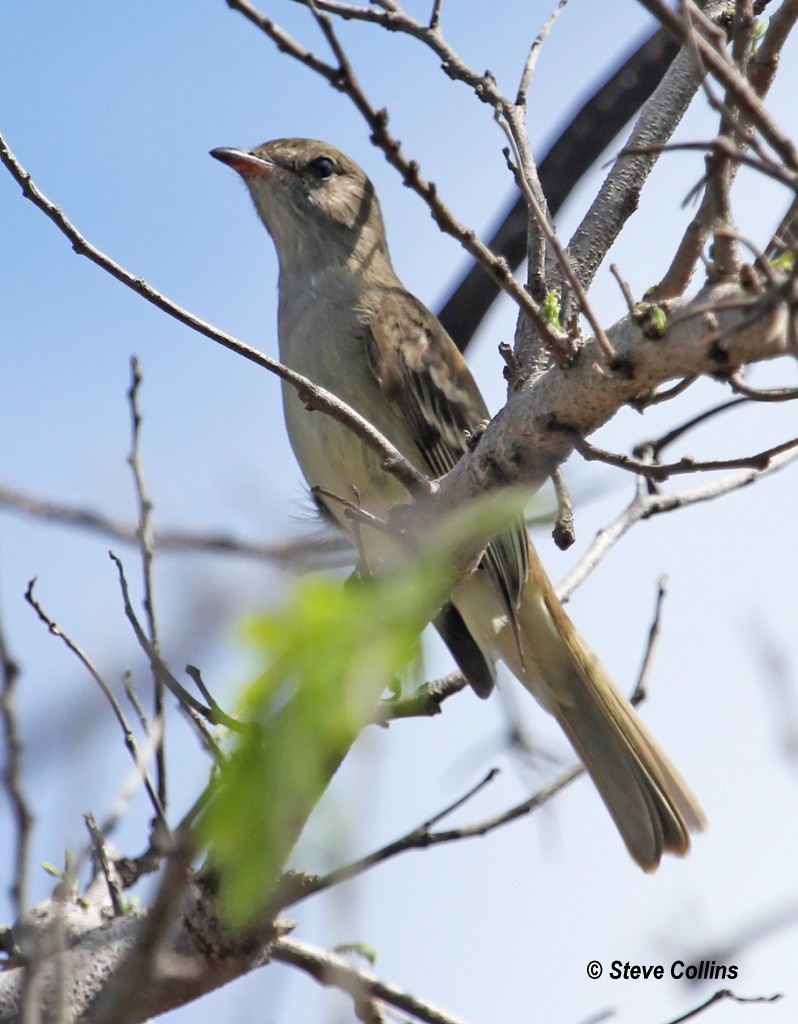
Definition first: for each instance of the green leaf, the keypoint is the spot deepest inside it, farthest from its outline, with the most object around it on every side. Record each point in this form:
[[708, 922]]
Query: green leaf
[[331, 652], [362, 949], [551, 308], [785, 262]]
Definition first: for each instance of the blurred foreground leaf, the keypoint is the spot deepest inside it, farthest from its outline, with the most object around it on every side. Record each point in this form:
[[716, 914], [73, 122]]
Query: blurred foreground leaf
[[332, 651]]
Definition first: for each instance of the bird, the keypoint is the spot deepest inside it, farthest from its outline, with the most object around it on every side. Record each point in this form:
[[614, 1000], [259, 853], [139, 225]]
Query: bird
[[348, 324]]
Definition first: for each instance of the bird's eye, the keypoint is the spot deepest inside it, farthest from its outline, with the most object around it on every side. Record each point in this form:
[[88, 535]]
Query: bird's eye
[[322, 166]]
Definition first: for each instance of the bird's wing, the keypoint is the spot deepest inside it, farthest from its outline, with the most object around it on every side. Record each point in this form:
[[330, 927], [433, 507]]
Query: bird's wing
[[428, 384]]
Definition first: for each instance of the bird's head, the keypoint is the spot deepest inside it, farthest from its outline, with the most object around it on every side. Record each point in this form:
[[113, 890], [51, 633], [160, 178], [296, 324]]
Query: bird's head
[[317, 203]]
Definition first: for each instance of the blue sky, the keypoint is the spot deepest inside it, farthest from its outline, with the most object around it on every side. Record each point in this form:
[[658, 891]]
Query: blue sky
[[113, 108]]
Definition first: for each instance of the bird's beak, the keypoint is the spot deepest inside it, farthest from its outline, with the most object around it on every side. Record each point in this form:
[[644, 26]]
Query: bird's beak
[[247, 164]]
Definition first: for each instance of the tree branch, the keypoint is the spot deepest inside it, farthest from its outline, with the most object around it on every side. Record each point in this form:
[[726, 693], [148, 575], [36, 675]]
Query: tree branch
[[363, 986]]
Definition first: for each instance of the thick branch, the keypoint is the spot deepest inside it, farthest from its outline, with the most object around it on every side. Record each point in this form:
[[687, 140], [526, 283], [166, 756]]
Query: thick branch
[[722, 328], [618, 197], [195, 955]]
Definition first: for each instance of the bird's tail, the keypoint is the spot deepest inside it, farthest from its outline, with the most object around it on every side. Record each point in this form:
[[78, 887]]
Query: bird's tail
[[651, 804]]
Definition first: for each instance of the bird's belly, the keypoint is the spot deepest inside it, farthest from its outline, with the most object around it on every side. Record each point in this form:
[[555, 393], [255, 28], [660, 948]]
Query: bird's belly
[[333, 458]]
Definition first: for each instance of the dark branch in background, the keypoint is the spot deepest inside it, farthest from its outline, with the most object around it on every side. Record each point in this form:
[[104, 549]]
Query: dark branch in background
[[587, 135]]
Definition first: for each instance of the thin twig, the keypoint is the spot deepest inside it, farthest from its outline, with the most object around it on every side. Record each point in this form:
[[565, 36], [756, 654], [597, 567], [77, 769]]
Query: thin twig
[[560, 255], [127, 733], [623, 284], [308, 551], [534, 53], [12, 778], [104, 863], [645, 506], [133, 697], [197, 712], [641, 687], [146, 546], [332, 969], [646, 401], [422, 838], [563, 533], [660, 472], [739, 386], [718, 997], [720, 146]]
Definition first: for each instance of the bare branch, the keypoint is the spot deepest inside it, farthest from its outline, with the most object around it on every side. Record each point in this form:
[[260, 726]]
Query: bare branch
[[659, 472], [421, 838], [721, 67], [617, 199], [147, 550], [12, 777], [526, 441], [586, 136], [563, 533], [332, 969], [644, 506], [306, 552], [195, 710], [509, 123], [534, 53], [720, 996], [739, 386], [127, 733], [104, 863], [641, 689]]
